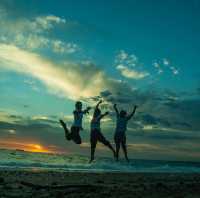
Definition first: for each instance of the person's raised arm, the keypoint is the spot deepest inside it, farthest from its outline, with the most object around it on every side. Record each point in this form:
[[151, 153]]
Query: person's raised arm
[[103, 115], [115, 108], [86, 110], [132, 114], [97, 106]]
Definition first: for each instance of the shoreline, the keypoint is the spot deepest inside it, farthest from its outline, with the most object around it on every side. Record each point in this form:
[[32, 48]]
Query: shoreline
[[29, 183]]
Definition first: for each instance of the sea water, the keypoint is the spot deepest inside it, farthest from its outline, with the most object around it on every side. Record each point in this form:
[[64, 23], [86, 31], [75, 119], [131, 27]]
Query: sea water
[[59, 162]]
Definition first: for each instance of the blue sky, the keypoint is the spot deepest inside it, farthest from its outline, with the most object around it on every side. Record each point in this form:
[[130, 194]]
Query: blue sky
[[131, 52]]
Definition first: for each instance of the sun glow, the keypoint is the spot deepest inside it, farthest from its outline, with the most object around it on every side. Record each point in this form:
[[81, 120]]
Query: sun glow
[[36, 148], [32, 147]]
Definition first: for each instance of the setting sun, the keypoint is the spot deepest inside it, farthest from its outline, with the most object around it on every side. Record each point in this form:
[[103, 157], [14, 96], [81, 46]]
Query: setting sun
[[32, 147], [37, 146]]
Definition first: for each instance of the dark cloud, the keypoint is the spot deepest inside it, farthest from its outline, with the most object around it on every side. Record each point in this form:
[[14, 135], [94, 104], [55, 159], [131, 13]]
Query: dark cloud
[[160, 108], [149, 119], [173, 105], [174, 136], [183, 124], [16, 117], [105, 93]]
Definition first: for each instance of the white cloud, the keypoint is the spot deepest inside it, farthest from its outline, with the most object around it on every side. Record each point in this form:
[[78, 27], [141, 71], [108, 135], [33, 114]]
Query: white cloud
[[164, 65], [47, 22], [148, 127], [11, 131], [131, 73], [166, 61], [6, 117], [32, 84], [33, 34], [174, 70], [130, 60], [122, 56], [31, 41], [126, 63], [65, 80], [157, 66], [61, 47], [40, 117]]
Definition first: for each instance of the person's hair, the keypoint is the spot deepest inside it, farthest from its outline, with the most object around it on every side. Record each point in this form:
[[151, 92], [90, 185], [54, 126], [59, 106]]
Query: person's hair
[[97, 112], [122, 113], [78, 104]]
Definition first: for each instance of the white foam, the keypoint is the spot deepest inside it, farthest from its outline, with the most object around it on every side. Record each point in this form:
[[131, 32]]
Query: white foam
[[20, 159]]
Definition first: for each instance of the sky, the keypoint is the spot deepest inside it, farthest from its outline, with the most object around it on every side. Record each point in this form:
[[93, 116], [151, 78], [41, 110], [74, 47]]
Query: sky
[[132, 52]]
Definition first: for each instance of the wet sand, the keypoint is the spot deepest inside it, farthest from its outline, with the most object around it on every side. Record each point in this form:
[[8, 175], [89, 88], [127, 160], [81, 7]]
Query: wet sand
[[20, 184]]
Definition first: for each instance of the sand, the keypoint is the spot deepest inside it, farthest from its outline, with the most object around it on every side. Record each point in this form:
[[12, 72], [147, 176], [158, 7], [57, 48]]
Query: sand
[[38, 184]]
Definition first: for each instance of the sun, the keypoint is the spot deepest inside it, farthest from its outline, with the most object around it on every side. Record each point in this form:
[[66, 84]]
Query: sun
[[37, 146]]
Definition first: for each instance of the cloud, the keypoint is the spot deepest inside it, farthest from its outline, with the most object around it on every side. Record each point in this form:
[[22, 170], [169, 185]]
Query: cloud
[[174, 70], [130, 60], [158, 67], [31, 83], [166, 61], [62, 47], [163, 65], [126, 64], [149, 142], [131, 73], [31, 41], [33, 33], [66, 79], [46, 22]]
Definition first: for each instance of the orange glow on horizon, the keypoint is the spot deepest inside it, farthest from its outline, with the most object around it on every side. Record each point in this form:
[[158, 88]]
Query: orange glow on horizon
[[31, 147], [36, 148]]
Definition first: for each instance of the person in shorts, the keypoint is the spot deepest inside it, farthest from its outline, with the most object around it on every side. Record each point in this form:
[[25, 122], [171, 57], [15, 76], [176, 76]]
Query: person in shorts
[[120, 132], [74, 133], [96, 134]]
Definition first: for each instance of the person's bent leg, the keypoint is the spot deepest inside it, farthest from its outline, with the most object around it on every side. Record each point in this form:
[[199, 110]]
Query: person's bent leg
[[103, 140], [67, 133], [75, 133]]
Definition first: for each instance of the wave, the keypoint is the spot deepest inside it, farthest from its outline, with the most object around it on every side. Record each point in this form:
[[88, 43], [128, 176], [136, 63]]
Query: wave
[[41, 161]]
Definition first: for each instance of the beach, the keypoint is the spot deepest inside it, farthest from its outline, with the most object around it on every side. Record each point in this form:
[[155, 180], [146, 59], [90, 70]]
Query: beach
[[40, 183]]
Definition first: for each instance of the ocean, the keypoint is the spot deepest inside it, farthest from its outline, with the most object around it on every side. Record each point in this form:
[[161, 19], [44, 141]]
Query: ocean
[[16, 159]]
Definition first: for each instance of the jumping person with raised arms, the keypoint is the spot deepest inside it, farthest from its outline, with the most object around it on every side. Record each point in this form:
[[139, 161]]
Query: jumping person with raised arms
[[96, 134], [120, 132], [74, 133]]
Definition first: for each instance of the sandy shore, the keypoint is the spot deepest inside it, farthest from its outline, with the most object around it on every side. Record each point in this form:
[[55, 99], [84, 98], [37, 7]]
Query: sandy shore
[[72, 184]]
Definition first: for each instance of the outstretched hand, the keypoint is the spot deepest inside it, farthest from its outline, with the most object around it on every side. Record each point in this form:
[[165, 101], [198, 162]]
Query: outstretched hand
[[135, 106], [88, 109], [106, 113], [115, 105]]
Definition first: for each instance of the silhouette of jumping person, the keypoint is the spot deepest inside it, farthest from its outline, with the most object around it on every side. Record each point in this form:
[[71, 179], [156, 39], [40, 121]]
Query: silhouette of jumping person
[[96, 134], [77, 124], [120, 132]]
